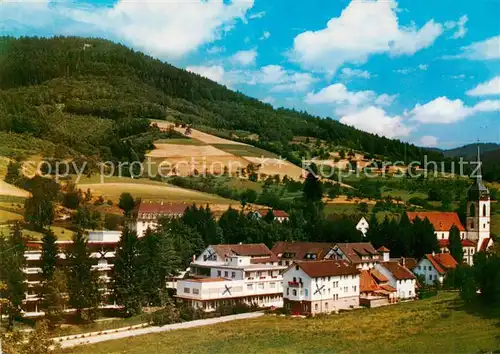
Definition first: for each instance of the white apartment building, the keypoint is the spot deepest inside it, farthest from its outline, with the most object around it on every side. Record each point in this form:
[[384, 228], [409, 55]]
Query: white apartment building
[[312, 287], [400, 278], [227, 274]]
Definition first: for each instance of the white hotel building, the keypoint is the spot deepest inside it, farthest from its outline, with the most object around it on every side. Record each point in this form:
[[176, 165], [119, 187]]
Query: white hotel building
[[227, 274]]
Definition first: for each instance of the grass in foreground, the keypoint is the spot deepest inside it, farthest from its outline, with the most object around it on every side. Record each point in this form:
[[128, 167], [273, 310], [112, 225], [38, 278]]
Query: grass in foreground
[[436, 325]]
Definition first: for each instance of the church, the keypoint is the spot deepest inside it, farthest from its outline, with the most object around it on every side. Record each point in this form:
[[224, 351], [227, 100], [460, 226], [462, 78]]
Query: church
[[475, 234]]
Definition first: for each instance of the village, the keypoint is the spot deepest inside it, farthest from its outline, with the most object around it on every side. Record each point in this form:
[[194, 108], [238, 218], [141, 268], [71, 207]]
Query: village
[[305, 278]]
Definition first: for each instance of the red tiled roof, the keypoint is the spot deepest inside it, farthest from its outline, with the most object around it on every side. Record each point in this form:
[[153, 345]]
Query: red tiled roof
[[367, 283], [383, 249], [442, 262], [378, 276], [484, 244], [326, 268], [442, 221], [251, 250], [465, 243], [387, 287], [399, 272], [300, 249], [154, 210], [355, 250], [277, 213]]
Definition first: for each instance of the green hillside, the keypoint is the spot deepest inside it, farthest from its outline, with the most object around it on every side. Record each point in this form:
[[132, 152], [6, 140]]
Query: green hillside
[[93, 97]]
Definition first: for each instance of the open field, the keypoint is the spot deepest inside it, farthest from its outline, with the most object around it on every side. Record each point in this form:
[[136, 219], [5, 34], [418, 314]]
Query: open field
[[403, 194], [113, 191], [9, 189], [61, 233], [6, 216], [180, 141], [245, 150], [186, 151], [436, 325], [270, 166]]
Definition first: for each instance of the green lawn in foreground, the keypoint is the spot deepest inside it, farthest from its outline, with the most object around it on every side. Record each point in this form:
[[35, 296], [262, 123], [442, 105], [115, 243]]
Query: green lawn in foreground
[[436, 325]]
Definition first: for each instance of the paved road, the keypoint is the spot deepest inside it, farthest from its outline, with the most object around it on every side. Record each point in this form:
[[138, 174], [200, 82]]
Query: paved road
[[148, 330]]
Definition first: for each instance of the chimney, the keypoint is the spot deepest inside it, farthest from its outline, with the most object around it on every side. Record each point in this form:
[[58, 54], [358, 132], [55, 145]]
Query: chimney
[[433, 254], [403, 261]]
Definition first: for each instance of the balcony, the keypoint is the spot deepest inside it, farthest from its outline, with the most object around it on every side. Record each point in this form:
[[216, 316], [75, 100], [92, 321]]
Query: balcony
[[294, 284]]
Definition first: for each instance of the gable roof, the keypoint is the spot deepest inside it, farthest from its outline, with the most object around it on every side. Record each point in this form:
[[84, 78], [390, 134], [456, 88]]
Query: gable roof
[[326, 268], [398, 271], [465, 243], [250, 250], [442, 221], [356, 250], [366, 282], [300, 249], [383, 249], [442, 262], [276, 213], [378, 276], [409, 262]]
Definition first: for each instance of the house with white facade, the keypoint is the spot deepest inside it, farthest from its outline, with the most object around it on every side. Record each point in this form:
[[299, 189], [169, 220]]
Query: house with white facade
[[312, 287], [400, 278], [363, 226], [362, 254], [433, 267], [150, 212], [279, 215], [230, 274]]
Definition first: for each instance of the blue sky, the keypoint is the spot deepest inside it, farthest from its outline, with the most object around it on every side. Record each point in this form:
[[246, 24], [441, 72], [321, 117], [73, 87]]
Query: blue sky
[[422, 71]]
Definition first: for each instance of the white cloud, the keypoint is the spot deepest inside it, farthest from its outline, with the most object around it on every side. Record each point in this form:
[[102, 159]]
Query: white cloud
[[405, 71], [428, 141], [214, 72], [348, 102], [484, 50], [375, 120], [348, 73], [461, 30], [244, 57], [363, 28], [491, 87], [257, 15], [423, 67], [215, 49], [265, 35], [445, 111], [274, 77], [269, 99], [167, 29]]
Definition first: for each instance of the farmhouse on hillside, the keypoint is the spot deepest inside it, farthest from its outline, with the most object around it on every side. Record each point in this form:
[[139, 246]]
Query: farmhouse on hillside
[[149, 212]]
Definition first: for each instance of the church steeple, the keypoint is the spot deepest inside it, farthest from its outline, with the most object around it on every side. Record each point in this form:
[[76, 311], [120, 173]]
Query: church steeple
[[478, 190]]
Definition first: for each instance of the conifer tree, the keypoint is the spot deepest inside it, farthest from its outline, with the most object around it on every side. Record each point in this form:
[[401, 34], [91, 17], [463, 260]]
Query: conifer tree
[[49, 256], [54, 299], [82, 281], [455, 244], [13, 269], [127, 270]]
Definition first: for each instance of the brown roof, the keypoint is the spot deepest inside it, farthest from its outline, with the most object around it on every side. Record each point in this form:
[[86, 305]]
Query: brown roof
[[367, 283], [326, 268], [206, 280], [442, 262], [399, 272], [251, 250], [378, 276], [409, 263], [354, 251], [277, 213], [465, 243], [383, 249], [154, 210], [387, 287], [298, 250], [442, 221]]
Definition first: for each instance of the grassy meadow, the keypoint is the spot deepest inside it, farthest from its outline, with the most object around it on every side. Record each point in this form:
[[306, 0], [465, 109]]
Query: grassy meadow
[[436, 325]]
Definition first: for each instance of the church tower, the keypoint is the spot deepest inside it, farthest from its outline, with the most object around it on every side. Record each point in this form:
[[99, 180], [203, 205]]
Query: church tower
[[478, 208]]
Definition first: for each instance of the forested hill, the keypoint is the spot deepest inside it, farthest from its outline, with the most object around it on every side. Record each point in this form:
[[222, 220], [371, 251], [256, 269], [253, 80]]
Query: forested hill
[[66, 90], [470, 151]]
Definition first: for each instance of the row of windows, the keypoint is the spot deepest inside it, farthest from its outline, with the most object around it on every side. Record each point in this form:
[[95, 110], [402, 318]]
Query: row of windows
[[323, 292]]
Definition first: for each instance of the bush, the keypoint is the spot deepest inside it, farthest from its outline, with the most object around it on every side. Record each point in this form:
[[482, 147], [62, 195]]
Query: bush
[[167, 315]]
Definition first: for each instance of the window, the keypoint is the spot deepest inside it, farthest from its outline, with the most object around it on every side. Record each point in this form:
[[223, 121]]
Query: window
[[429, 267], [250, 287], [186, 290], [196, 291], [326, 305], [316, 307], [226, 274], [306, 292], [354, 288], [484, 210], [219, 273], [472, 210], [409, 292], [272, 285], [296, 267], [430, 276], [288, 291], [261, 286], [233, 274], [294, 292]]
